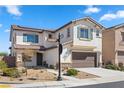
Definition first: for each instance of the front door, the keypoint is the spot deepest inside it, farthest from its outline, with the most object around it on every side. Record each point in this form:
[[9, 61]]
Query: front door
[[39, 59]]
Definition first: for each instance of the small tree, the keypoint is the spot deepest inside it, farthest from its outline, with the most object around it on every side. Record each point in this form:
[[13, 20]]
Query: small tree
[[3, 65], [3, 54]]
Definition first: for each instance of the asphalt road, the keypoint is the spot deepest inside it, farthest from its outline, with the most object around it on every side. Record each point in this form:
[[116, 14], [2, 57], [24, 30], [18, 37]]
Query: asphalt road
[[119, 84]]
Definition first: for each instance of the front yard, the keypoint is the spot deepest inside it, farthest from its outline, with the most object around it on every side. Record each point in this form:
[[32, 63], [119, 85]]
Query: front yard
[[33, 75], [23, 75]]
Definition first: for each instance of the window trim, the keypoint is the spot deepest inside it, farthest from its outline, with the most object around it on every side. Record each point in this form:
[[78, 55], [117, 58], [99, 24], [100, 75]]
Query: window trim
[[97, 33], [35, 37], [89, 34], [68, 32]]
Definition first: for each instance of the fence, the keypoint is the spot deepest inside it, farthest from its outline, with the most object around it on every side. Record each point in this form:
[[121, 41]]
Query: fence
[[10, 60]]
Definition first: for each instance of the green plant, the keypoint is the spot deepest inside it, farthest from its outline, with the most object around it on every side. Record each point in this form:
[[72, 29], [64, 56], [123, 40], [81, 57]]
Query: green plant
[[52, 66], [121, 68], [111, 66], [3, 65], [72, 72], [11, 72], [3, 54]]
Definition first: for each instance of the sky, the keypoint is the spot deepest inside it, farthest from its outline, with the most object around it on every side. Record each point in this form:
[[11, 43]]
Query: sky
[[53, 17]]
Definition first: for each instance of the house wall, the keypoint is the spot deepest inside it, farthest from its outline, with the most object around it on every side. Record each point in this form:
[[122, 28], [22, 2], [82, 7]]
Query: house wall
[[45, 41], [51, 55], [96, 41], [64, 32], [119, 45], [42, 39], [108, 49], [19, 38], [19, 58]]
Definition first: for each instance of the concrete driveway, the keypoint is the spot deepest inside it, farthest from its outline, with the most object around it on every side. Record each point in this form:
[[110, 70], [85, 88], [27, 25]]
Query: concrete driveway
[[103, 73]]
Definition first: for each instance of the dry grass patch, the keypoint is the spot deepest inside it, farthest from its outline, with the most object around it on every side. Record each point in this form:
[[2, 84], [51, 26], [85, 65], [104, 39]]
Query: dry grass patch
[[33, 75], [84, 75]]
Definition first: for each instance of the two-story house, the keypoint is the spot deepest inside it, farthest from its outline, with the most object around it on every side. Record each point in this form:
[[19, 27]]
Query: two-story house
[[81, 40], [113, 44]]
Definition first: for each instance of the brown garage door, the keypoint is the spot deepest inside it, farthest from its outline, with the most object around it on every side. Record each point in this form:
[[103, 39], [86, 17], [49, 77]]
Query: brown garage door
[[83, 59], [120, 56]]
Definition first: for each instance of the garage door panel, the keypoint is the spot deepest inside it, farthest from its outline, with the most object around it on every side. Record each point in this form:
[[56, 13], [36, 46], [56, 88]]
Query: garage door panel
[[121, 56], [81, 59]]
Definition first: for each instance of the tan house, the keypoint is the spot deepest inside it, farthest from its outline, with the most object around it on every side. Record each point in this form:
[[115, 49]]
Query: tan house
[[113, 44], [82, 44]]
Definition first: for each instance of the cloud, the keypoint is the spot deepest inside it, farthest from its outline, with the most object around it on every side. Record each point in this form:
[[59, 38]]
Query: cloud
[[7, 30], [92, 9], [1, 25], [110, 16], [14, 10]]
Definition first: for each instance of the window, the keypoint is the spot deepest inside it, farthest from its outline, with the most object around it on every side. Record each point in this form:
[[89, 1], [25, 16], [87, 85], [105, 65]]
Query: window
[[84, 33], [26, 58], [97, 33], [122, 34], [30, 38], [49, 36], [68, 32]]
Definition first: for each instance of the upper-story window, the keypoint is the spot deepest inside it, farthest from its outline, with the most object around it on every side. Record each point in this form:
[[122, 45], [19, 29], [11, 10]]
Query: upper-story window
[[49, 36], [30, 38], [122, 34], [97, 33], [68, 32], [85, 33]]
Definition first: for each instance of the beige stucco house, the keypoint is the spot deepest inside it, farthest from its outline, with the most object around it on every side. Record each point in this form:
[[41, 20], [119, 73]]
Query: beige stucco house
[[113, 44], [82, 44]]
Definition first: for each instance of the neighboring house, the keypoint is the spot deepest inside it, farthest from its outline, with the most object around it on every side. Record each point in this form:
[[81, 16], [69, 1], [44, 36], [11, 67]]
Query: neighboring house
[[82, 44], [113, 45]]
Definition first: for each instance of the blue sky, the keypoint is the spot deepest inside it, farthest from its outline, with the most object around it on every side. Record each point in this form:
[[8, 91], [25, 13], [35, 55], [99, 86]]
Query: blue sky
[[52, 17]]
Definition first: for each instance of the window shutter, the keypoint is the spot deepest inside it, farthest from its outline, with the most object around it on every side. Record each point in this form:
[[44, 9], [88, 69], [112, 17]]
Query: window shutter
[[24, 38], [91, 33], [36, 38], [78, 32]]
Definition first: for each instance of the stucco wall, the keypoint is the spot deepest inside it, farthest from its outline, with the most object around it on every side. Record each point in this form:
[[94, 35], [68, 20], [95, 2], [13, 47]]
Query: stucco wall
[[96, 41], [108, 49], [45, 41], [51, 56], [19, 38], [64, 32], [118, 40]]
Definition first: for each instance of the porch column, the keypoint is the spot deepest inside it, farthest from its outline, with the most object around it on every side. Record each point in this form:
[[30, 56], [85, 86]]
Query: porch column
[[116, 58], [99, 59]]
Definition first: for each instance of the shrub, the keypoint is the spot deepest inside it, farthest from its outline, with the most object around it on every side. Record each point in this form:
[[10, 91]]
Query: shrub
[[3, 65], [72, 72], [11, 72], [121, 68], [52, 66], [111, 66], [3, 54]]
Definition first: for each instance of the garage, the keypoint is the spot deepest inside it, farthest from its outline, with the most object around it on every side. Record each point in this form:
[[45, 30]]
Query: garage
[[120, 56], [84, 59]]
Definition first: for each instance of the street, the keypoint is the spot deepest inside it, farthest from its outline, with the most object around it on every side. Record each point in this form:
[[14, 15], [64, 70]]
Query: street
[[119, 84]]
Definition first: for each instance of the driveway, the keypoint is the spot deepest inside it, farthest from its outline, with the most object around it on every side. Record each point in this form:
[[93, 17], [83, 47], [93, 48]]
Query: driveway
[[103, 73], [119, 84]]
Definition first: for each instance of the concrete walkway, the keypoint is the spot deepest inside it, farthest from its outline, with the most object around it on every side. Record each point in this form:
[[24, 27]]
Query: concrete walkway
[[105, 77]]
